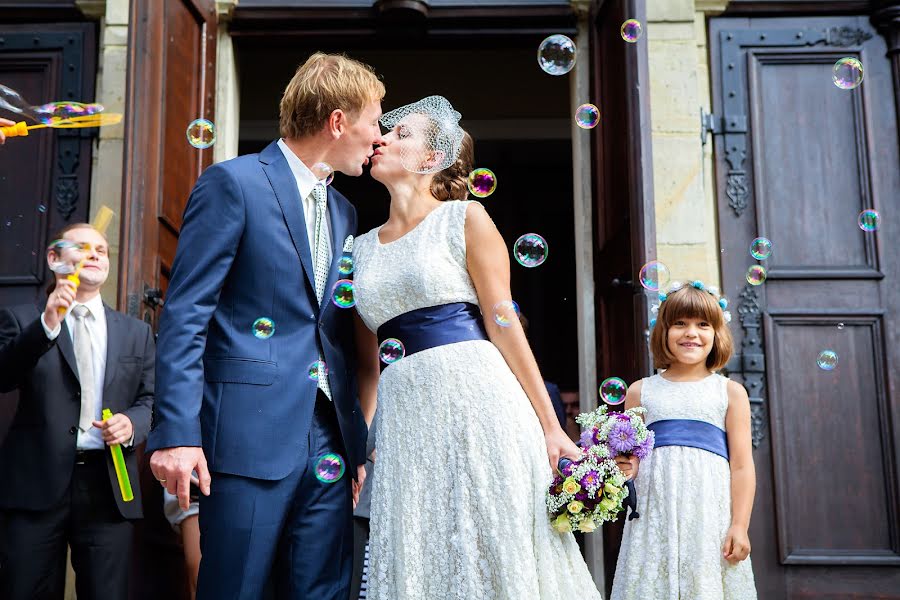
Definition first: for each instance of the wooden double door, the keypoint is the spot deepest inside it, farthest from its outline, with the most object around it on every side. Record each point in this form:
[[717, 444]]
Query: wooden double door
[[797, 159]]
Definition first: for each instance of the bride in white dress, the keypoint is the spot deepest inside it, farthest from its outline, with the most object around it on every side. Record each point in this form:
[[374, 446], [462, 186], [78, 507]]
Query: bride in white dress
[[466, 431]]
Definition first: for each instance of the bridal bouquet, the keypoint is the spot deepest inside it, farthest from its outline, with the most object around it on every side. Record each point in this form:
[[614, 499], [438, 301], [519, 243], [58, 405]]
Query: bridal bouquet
[[592, 490]]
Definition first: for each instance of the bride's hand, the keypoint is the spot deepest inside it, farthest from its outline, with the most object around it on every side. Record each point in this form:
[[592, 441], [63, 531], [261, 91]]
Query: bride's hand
[[559, 445]]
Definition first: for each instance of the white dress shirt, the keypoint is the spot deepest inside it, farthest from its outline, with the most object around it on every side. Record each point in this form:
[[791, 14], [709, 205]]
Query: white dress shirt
[[306, 181], [91, 439]]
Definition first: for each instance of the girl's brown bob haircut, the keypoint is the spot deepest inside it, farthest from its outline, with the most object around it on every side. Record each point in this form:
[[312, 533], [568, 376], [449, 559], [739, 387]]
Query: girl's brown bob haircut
[[691, 303]]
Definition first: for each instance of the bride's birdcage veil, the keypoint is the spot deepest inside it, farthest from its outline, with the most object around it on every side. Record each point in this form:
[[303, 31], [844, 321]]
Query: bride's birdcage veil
[[435, 124]]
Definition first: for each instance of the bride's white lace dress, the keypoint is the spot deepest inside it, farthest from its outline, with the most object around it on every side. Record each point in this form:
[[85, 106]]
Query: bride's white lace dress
[[458, 506]]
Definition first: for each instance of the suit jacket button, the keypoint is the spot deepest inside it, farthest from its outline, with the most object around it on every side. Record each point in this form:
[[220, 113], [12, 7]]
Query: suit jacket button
[[72, 430], [78, 394]]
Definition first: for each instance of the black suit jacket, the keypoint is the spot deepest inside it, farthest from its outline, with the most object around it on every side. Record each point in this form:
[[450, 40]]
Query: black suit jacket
[[38, 455]]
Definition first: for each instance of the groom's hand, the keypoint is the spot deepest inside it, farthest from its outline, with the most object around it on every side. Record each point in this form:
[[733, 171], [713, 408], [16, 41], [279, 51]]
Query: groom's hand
[[358, 483], [172, 468]]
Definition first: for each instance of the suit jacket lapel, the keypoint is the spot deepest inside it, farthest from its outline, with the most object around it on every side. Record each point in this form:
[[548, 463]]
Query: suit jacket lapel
[[64, 343], [114, 344], [285, 187], [338, 233]]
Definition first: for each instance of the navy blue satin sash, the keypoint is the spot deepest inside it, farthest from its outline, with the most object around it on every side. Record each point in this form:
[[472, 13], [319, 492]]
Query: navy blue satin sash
[[694, 434], [440, 325]]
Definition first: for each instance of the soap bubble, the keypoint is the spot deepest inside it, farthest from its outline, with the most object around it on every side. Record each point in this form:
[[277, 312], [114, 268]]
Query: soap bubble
[[391, 350], [612, 390], [760, 248], [329, 468], [827, 360], [317, 370], [201, 133], [345, 264], [505, 313], [556, 55], [756, 275], [530, 250], [342, 294], [654, 276], [869, 220], [482, 182], [263, 328], [847, 73], [323, 172], [631, 30], [587, 116]]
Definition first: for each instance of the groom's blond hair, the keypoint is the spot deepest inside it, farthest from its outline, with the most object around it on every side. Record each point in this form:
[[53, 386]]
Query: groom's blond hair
[[323, 84]]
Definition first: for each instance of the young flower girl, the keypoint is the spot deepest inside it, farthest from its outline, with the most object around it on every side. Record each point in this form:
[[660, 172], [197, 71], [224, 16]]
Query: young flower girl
[[695, 491]]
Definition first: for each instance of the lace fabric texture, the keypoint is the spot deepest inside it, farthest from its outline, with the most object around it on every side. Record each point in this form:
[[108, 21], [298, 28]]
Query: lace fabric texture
[[674, 550], [458, 506]]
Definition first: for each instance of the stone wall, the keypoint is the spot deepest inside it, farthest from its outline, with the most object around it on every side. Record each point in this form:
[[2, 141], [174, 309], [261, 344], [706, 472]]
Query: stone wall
[[686, 236]]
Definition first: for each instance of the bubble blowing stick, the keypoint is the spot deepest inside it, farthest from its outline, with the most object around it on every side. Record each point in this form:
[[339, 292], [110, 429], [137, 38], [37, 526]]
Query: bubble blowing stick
[[119, 463]]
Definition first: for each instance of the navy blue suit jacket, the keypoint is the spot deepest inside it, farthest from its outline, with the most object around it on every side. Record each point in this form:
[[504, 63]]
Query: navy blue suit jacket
[[244, 253]]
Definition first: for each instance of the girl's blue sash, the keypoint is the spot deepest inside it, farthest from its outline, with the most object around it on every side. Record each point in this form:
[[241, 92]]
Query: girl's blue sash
[[687, 432]]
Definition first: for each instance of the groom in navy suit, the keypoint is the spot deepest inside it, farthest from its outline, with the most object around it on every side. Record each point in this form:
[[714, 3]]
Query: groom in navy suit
[[248, 312]]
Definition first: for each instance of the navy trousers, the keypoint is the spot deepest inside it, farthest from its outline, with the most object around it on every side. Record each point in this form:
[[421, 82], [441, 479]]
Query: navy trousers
[[293, 536]]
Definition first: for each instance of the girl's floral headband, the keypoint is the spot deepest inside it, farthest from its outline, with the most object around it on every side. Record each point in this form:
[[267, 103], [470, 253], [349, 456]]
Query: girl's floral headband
[[677, 285]]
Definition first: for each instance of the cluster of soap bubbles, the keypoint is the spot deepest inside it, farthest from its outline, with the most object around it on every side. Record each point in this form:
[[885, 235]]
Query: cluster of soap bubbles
[[55, 112], [67, 255], [760, 249]]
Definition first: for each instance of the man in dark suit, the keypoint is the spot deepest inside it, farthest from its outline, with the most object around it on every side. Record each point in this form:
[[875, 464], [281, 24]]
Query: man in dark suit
[[69, 360], [248, 313]]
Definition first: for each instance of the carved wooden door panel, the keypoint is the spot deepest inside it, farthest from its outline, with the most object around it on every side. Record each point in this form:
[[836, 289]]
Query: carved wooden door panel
[[797, 158], [45, 178], [171, 83]]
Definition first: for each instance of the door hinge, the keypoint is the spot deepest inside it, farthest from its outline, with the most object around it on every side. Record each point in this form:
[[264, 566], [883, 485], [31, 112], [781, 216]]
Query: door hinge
[[712, 123]]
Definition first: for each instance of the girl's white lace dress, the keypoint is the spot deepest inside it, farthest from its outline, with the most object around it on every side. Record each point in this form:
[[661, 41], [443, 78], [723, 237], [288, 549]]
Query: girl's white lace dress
[[674, 550], [458, 503]]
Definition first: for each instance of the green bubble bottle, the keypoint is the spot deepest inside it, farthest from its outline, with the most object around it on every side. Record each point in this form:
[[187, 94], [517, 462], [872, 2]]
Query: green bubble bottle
[[119, 462]]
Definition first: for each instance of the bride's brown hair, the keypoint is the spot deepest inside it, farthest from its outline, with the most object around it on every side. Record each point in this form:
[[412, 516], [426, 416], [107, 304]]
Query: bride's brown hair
[[450, 184]]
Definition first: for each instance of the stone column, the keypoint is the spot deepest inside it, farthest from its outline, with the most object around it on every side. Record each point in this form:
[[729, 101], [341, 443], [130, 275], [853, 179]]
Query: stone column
[[683, 168], [106, 167], [227, 88], [583, 229]]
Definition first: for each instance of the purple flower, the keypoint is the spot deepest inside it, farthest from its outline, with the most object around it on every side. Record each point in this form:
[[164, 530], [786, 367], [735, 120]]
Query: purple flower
[[567, 470], [621, 436], [591, 479], [597, 438], [587, 438], [643, 449], [582, 496]]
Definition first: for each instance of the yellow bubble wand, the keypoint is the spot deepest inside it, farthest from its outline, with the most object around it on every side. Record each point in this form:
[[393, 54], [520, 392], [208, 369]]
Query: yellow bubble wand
[[119, 463], [21, 128]]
